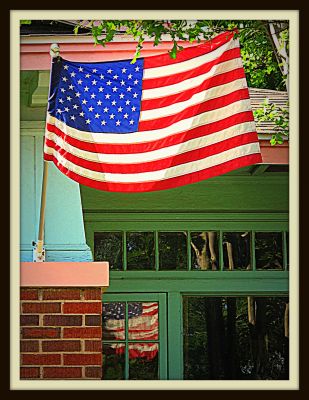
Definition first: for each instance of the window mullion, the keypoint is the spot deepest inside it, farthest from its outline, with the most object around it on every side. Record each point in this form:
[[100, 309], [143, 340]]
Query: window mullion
[[221, 250], [253, 261], [157, 250], [124, 249], [126, 369]]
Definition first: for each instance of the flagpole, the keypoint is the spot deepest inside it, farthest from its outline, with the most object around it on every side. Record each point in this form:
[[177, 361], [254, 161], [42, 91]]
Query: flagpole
[[39, 251]]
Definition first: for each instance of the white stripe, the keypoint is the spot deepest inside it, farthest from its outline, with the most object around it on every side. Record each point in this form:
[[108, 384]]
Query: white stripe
[[157, 72], [154, 134], [191, 83], [154, 155], [167, 173], [197, 98]]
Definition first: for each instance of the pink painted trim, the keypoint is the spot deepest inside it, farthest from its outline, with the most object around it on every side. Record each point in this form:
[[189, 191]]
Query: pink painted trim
[[77, 274], [278, 154]]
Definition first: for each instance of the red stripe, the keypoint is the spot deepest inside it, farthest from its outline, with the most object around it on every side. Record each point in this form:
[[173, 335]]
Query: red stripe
[[194, 110], [181, 76], [164, 184], [188, 53], [208, 83], [207, 129], [162, 163]]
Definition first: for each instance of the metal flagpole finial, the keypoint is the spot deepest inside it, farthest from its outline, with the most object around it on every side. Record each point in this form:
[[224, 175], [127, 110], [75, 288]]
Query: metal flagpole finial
[[54, 50]]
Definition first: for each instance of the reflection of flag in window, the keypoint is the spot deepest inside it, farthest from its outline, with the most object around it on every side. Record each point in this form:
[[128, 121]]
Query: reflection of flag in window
[[142, 326]]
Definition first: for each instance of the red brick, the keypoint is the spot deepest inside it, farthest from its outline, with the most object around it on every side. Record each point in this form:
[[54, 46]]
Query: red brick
[[61, 294], [93, 320], [82, 332], [29, 320], [41, 359], [40, 333], [62, 320], [93, 372], [82, 308], [93, 294], [29, 294], [61, 345], [28, 373], [93, 345], [29, 346], [62, 372], [82, 359], [38, 308]]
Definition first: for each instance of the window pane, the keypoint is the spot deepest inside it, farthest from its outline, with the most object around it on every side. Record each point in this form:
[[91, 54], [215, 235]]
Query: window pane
[[268, 250], [143, 361], [172, 250], [108, 247], [204, 250], [237, 250], [143, 323], [113, 315], [140, 250], [113, 361], [236, 338]]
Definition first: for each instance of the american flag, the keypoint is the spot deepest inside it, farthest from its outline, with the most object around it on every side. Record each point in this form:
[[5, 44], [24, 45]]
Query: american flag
[[142, 326], [156, 124]]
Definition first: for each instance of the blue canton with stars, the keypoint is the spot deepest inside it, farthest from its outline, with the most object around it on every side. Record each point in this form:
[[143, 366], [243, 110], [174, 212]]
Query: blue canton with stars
[[97, 97], [117, 310]]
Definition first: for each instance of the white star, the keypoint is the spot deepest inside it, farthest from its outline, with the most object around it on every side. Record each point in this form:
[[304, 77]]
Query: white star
[[90, 108], [64, 79], [137, 68], [135, 95], [122, 83], [77, 94], [86, 89], [115, 77], [94, 82], [72, 74], [72, 117], [131, 122], [71, 87], [108, 83], [93, 96], [82, 114], [101, 89], [66, 67], [101, 76], [97, 115], [129, 89], [125, 115], [107, 96], [133, 108], [121, 96], [114, 102], [61, 101], [79, 81], [135, 82], [124, 70], [120, 109], [81, 69], [62, 90], [75, 106], [88, 121], [112, 116], [84, 101], [103, 122], [109, 71], [117, 123], [59, 111], [115, 89], [130, 76], [99, 102], [87, 75], [94, 70], [106, 109], [69, 98], [67, 109], [128, 102]]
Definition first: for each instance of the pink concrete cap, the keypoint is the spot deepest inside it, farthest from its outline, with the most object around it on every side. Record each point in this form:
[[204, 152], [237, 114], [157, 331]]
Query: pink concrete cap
[[78, 274]]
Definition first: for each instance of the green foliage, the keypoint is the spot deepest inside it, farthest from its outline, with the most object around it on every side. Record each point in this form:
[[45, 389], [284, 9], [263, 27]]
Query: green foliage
[[25, 21], [278, 115]]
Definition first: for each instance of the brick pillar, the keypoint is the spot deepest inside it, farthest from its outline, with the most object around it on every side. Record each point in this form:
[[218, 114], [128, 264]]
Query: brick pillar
[[61, 332]]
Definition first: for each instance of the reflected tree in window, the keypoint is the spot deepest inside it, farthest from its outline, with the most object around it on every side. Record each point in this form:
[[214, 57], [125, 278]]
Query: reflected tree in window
[[236, 250], [205, 250]]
